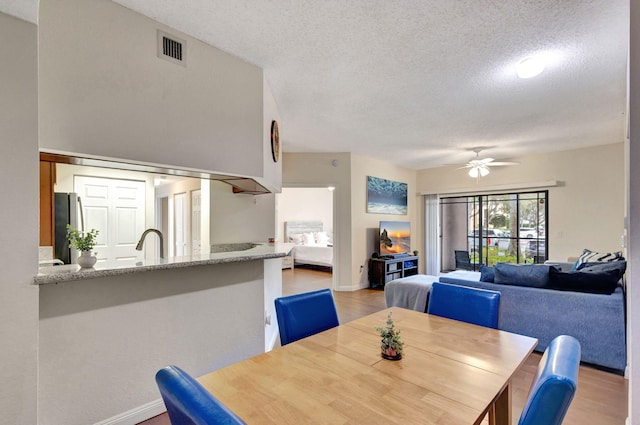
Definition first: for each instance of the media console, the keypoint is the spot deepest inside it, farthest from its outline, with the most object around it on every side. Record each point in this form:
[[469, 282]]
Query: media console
[[383, 270]]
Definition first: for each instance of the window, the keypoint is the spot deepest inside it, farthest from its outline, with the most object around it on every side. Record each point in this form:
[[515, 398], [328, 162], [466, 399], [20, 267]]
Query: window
[[507, 228]]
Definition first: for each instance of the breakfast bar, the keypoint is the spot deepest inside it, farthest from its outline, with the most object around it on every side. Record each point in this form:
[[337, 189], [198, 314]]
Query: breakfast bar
[[104, 332]]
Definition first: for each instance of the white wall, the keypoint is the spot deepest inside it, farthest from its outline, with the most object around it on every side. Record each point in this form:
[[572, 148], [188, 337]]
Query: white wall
[[305, 204], [328, 169], [104, 92], [365, 226], [103, 340], [19, 248], [587, 208]]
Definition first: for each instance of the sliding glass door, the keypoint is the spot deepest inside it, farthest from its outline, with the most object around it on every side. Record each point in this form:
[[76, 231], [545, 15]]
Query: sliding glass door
[[508, 228]]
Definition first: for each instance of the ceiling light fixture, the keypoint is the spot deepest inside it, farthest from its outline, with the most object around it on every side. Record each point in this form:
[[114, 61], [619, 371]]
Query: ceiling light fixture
[[478, 171], [530, 67]]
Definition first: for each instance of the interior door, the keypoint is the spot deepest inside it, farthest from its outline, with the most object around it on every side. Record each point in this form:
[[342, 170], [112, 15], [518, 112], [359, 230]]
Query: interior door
[[196, 201], [116, 208], [180, 223]]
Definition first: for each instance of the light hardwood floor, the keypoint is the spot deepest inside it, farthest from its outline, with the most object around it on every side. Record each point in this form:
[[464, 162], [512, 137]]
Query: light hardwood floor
[[601, 397]]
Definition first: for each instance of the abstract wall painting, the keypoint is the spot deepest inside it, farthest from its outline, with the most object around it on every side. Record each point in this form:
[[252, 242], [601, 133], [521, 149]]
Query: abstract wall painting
[[386, 196]]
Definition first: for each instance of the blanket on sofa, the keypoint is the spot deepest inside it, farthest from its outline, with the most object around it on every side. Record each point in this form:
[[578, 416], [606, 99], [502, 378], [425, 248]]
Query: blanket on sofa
[[409, 292]]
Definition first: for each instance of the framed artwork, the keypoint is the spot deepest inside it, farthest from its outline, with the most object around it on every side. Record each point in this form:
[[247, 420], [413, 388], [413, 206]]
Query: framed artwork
[[386, 196]]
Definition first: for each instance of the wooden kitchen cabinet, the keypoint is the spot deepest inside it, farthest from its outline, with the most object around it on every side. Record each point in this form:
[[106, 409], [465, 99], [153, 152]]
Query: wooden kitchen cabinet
[[47, 180]]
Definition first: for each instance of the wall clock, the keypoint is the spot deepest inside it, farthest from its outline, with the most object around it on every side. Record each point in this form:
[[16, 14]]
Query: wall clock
[[275, 141]]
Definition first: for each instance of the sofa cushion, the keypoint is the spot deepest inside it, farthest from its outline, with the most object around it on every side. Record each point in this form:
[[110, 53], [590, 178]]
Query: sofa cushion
[[589, 256], [535, 275], [487, 274], [595, 281], [620, 266]]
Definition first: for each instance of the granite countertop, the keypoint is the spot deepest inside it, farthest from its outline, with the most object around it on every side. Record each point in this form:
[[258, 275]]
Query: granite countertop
[[70, 272]]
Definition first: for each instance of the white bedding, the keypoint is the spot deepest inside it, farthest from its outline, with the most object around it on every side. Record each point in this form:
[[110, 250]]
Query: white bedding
[[314, 255]]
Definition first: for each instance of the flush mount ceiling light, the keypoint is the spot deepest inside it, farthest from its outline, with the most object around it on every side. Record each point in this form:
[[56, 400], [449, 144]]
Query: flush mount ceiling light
[[530, 67]]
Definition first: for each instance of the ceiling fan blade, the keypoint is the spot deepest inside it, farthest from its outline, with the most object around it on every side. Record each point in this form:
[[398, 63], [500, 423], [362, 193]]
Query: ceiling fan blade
[[502, 163]]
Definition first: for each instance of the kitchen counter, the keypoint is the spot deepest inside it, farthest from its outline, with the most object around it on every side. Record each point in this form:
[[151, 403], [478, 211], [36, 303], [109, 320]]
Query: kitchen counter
[[71, 272]]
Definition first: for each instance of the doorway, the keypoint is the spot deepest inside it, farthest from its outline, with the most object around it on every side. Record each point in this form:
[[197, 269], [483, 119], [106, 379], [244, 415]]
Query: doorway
[[312, 210]]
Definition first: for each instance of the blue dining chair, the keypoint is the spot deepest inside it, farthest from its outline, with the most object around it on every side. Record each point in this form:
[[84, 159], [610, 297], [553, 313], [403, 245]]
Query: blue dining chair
[[471, 305], [189, 403], [554, 384], [303, 315]]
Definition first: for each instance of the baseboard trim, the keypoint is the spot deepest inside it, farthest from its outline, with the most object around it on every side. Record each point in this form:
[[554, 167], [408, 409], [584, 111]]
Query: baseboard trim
[[136, 415], [274, 339]]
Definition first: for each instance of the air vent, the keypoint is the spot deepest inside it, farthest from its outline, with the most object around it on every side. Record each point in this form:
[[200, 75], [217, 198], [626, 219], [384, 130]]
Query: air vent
[[172, 48]]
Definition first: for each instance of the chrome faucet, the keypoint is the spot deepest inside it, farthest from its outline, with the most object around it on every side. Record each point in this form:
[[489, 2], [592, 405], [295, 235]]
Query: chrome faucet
[[144, 235]]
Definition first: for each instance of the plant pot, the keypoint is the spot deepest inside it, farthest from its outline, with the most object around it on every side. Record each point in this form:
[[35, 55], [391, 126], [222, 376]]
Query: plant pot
[[388, 357], [86, 260], [390, 354]]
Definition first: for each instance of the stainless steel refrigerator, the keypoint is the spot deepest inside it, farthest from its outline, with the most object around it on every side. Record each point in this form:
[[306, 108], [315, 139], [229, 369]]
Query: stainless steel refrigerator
[[67, 210]]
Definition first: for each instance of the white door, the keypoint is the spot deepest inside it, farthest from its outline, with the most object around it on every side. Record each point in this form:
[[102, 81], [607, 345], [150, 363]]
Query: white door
[[180, 223], [196, 201], [116, 208]]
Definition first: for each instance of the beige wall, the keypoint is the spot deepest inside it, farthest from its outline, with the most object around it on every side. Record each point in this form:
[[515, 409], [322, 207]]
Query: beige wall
[[586, 208], [633, 294], [364, 225], [19, 248], [272, 170], [354, 229], [240, 218], [104, 92]]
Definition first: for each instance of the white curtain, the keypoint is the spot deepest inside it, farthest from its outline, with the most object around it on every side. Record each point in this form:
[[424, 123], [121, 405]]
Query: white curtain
[[432, 234]]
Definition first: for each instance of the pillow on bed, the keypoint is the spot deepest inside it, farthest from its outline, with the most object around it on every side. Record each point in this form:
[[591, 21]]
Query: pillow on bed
[[308, 239], [296, 239], [322, 239]]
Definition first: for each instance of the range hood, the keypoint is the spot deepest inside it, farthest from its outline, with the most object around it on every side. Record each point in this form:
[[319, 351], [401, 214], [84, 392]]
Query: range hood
[[240, 184]]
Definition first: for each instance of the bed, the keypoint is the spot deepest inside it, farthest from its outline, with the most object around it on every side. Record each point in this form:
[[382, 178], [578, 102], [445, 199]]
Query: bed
[[313, 245]]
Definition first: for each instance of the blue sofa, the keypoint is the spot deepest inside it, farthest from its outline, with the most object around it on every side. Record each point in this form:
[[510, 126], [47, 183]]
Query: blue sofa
[[596, 320]]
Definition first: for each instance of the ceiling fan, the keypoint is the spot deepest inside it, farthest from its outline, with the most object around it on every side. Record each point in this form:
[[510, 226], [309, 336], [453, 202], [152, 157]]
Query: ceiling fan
[[480, 167]]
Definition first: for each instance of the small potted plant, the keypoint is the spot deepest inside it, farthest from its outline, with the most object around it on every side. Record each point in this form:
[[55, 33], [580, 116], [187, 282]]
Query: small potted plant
[[391, 344], [83, 242]]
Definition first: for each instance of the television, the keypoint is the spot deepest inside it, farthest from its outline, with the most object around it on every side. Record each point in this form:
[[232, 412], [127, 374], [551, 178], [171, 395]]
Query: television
[[395, 237]]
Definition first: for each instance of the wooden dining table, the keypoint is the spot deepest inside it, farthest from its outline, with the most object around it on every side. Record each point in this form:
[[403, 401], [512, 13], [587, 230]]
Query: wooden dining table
[[451, 373]]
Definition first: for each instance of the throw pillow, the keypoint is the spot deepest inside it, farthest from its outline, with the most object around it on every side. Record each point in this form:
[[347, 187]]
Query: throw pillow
[[322, 239], [535, 275], [619, 266], [308, 239], [589, 256], [296, 239], [599, 282], [487, 274]]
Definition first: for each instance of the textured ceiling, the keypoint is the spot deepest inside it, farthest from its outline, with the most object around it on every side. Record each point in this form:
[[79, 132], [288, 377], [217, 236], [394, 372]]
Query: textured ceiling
[[417, 82]]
